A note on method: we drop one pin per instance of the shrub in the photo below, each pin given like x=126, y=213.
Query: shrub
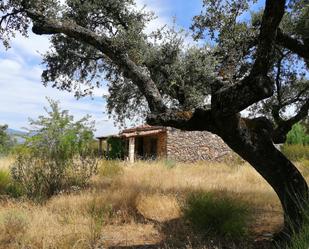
x=8, y=186
x=295, y=152
x=298, y=135
x=220, y=216
x=56, y=156
x=5, y=180
x=6, y=141
x=41, y=178
x=117, y=148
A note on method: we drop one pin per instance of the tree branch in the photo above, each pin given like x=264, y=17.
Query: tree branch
x=197, y=120
x=8, y=15
x=279, y=134
x=46, y=26
x=256, y=86
x=292, y=44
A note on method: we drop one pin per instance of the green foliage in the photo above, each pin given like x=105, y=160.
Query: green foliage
x=295, y=152
x=299, y=239
x=8, y=186
x=6, y=141
x=56, y=155
x=298, y=135
x=109, y=168
x=5, y=180
x=220, y=216
x=116, y=148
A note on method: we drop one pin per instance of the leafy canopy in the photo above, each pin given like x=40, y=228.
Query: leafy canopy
x=93, y=41
x=57, y=136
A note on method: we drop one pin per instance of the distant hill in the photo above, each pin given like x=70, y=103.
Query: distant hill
x=17, y=134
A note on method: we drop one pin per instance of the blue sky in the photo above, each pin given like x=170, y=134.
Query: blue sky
x=22, y=94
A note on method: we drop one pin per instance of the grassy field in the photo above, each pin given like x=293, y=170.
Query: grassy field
x=127, y=206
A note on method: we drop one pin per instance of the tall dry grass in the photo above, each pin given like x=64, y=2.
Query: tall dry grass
x=6, y=162
x=134, y=205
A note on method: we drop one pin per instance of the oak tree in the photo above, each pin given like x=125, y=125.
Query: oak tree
x=257, y=63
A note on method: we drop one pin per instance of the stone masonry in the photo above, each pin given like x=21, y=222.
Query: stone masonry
x=191, y=146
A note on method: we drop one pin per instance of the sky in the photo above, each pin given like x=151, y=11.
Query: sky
x=23, y=95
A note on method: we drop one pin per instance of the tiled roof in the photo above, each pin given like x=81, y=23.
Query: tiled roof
x=143, y=128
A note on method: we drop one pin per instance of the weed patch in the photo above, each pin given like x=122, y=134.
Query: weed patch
x=295, y=152
x=220, y=216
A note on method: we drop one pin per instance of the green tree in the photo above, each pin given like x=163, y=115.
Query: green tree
x=261, y=62
x=298, y=135
x=6, y=141
x=116, y=148
x=55, y=154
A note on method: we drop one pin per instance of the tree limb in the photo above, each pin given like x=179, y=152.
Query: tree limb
x=279, y=134
x=257, y=85
x=292, y=44
x=197, y=120
x=46, y=26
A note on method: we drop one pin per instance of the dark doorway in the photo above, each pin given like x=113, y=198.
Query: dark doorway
x=140, y=147
x=153, y=148
x=146, y=147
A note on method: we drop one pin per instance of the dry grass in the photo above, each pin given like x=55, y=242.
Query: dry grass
x=5, y=162
x=140, y=205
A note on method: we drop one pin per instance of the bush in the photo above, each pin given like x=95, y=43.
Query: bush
x=117, y=148
x=8, y=186
x=220, y=216
x=40, y=179
x=298, y=135
x=5, y=180
x=56, y=155
x=6, y=141
x=295, y=152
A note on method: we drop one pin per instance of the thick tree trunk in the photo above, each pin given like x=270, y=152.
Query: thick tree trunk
x=251, y=139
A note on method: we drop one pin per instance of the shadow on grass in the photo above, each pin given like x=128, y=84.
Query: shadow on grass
x=180, y=235
x=210, y=221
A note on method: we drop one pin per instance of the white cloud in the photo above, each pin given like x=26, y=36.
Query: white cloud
x=162, y=11
x=23, y=95
x=33, y=46
x=157, y=7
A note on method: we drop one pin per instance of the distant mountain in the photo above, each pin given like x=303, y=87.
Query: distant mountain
x=17, y=134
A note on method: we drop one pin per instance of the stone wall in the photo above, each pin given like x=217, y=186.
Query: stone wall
x=191, y=146
x=161, y=149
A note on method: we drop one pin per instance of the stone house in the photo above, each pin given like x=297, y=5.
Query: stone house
x=152, y=142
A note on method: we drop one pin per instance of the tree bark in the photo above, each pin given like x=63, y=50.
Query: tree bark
x=251, y=139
